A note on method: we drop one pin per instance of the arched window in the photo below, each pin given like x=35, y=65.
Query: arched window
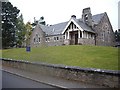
x=34, y=39
x=57, y=38
x=36, y=35
x=86, y=17
x=48, y=39
x=108, y=31
x=39, y=39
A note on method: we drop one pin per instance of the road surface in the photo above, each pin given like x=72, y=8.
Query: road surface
x=15, y=81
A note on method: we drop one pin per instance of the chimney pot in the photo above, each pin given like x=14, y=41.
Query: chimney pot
x=73, y=16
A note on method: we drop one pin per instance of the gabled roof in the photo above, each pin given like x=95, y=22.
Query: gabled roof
x=85, y=27
x=58, y=28
x=54, y=29
x=75, y=21
x=96, y=18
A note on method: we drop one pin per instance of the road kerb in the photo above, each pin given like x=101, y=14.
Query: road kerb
x=57, y=86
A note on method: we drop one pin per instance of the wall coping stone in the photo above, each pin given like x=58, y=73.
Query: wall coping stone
x=61, y=66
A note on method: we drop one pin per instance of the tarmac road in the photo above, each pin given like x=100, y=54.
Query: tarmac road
x=14, y=81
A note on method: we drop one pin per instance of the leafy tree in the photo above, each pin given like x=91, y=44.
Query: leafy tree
x=117, y=35
x=28, y=27
x=40, y=21
x=9, y=19
x=35, y=22
x=20, y=31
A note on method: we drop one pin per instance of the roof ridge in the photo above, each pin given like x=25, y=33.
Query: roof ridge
x=68, y=20
x=58, y=27
x=98, y=14
x=59, y=23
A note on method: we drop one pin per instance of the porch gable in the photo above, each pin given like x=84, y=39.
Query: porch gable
x=71, y=25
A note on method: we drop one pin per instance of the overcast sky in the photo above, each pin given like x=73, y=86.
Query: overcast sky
x=56, y=11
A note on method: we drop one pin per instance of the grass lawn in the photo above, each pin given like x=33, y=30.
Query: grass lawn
x=73, y=55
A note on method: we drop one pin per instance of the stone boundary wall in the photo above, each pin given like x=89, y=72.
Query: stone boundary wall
x=108, y=78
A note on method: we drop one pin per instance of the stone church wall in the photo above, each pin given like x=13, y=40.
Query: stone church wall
x=85, y=41
x=53, y=41
x=41, y=34
x=88, y=41
x=109, y=38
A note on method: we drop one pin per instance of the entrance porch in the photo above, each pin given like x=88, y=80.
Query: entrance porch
x=72, y=37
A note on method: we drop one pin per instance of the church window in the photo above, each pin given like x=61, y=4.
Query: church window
x=86, y=17
x=39, y=40
x=63, y=37
x=103, y=36
x=36, y=35
x=57, y=38
x=48, y=39
x=34, y=40
x=54, y=38
x=108, y=31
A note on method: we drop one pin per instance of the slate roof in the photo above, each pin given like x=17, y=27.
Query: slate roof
x=54, y=29
x=58, y=28
x=97, y=18
x=83, y=26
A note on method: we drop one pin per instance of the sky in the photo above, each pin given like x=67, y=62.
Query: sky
x=57, y=11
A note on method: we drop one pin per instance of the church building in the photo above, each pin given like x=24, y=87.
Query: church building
x=87, y=30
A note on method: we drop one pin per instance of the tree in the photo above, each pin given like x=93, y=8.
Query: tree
x=28, y=27
x=117, y=35
x=20, y=31
x=40, y=21
x=9, y=18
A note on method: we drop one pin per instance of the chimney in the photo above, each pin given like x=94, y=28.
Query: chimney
x=73, y=16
